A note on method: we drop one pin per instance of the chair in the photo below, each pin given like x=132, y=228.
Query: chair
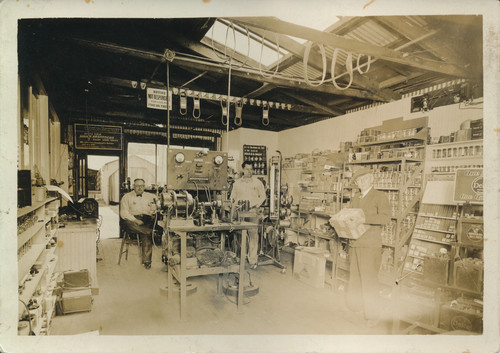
x=126, y=241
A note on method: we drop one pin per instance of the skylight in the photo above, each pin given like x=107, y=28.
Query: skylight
x=225, y=35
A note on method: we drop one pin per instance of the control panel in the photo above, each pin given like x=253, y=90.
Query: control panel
x=191, y=170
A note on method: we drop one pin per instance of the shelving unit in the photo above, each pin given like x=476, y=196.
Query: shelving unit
x=395, y=150
x=36, y=263
x=445, y=250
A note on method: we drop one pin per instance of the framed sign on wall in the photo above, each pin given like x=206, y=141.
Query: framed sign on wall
x=100, y=137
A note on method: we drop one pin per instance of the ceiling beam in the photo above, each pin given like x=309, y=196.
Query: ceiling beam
x=313, y=103
x=128, y=84
x=247, y=73
x=279, y=26
x=266, y=87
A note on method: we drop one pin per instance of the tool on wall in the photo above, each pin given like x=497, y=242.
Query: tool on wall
x=196, y=107
x=225, y=111
x=239, y=108
x=265, y=114
x=183, y=102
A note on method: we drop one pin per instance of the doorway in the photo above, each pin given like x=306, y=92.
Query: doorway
x=103, y=180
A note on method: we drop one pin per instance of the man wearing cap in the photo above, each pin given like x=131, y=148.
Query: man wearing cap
x=365, y=255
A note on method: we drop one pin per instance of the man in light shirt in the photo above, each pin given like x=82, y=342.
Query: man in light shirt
x=137, y=209
x=251, y=189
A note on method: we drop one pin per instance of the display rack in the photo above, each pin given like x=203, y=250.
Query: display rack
x=443, y=271
x=395, y=151
x=318, y=199
x=37, y=228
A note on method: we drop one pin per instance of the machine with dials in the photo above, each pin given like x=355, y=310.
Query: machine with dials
x=194, y=170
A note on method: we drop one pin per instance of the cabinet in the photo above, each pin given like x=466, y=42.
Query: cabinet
x=37, y=229
x=395, y=151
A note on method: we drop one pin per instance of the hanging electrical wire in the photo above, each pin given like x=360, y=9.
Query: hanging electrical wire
x=305, y=61
x=278, y=57
x=348, y=64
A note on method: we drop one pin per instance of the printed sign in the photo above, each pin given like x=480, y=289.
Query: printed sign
x=469, y=186
x=101, y=137
x=157, y=98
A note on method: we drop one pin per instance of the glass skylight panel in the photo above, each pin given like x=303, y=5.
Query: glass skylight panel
x=232, y=39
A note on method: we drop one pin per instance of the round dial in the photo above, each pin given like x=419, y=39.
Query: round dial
x=218, y=159
x=179, y=157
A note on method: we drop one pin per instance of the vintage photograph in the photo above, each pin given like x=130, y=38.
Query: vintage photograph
x=231, y=177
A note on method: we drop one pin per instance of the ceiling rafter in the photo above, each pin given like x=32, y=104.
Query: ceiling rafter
x=279, y=26
x=400, y=25
x=211, y=67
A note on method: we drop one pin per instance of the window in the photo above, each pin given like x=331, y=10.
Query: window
x=149, y=162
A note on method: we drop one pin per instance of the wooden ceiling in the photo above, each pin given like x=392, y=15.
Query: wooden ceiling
x=92, y=69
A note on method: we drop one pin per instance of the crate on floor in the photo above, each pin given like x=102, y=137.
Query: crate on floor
x=309, y=267
x=77, y=301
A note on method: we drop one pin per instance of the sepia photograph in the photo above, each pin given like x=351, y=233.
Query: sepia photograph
x=280, y=176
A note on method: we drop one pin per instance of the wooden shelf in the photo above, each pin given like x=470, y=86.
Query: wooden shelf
x=434, y=230
x=29, y=233
x=415, y=137
x=387, y=160
x=439, y=217
x=37, y=204
x=28, y=259
x=456, y=143
x=433, y=241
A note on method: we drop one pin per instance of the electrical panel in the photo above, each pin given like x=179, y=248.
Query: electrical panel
x=192, y=170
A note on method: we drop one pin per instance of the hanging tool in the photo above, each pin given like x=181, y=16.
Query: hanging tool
x=183, y=102
x=196, y=107
x=265, y=114
x=239, y=108
x=225, y=111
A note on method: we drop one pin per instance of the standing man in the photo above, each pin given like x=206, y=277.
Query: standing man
x=251, y=189
x=365, y=256
x=137, y=209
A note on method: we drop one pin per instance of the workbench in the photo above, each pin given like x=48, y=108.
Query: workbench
x=182, y=273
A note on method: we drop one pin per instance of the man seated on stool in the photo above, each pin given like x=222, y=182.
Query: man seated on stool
x=248, y=188
x=137, y=209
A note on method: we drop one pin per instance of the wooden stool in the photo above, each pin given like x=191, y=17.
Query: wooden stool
x=126, y=241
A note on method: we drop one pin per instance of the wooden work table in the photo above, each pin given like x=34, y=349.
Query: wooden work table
x=181, y=272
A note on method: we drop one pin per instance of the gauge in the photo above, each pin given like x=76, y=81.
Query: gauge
x=179, y=157
x=218, y=159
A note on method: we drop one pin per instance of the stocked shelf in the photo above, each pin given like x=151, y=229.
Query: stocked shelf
x=28, y=259
x=29, y=233
x=434, y=230
x=37, y=204
x=387, y=160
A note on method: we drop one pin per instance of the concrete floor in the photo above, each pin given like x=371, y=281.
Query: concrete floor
x=131, y=302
